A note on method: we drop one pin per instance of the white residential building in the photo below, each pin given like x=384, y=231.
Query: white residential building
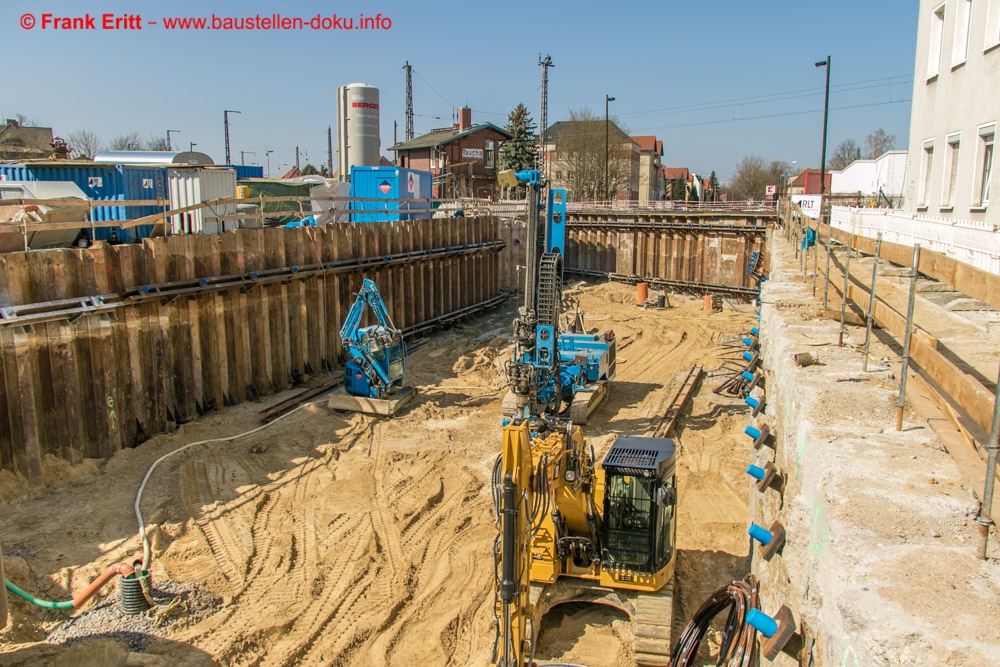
x=956, y=107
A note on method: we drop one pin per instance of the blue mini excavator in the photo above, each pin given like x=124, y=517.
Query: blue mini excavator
x=376, y=364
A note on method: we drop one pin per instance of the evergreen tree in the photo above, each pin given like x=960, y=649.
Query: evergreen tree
x=713, y=186
x=519, y=151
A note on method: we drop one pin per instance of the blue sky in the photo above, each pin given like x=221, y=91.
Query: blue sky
x=714, y=81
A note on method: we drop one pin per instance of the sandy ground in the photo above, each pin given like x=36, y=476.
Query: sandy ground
x=339, y=539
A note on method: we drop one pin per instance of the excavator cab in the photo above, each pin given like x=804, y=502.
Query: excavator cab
x=385, y=349
x=640, y=495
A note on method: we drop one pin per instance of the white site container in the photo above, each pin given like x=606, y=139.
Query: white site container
x=193, y=185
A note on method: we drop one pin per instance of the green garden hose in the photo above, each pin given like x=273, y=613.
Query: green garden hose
x=47, y=604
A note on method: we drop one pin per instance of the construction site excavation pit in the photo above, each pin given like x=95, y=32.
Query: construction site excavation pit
x=331, y=538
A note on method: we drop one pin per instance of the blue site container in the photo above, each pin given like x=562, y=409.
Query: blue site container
x=390, y=183
x=103, y=182
x=247, y=171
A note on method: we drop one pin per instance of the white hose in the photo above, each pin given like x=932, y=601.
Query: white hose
x=146, y=562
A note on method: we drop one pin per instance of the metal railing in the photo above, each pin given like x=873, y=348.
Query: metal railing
x=513, y=206
x=683, y=206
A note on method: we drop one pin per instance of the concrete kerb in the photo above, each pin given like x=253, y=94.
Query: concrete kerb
x=859, y=502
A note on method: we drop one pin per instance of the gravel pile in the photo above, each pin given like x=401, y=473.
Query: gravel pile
x=106, y=619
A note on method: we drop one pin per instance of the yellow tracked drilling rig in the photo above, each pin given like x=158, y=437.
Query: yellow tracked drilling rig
x=570, y=529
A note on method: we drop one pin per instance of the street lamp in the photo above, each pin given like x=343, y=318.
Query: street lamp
x=243, y=155
x=607, y=192
x=168, y=138
x=822, y=172
x=826, y=115
x=267, y=156
x=192, y=145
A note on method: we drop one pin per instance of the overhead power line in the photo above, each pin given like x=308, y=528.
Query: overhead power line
x=773, y=115
x=775, y=97
x=434, y=89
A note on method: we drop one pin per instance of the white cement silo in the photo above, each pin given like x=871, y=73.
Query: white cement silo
x=358, y=127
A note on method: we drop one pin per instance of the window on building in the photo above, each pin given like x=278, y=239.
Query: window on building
x=488, y=156
x=960, y=45
x=951, y=185
x=992, y=24
x=937, y=32
x=984, y=166
x=926, y=170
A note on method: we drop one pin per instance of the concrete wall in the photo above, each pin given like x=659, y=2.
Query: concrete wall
x=878, y=567
x=886, y=173
x=954, y=99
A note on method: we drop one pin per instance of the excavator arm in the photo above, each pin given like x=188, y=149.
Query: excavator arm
x=361, y=343
x=517, y=515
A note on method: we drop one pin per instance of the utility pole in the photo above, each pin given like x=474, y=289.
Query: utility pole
x=409, y=101
x=267, y=155
x=169, y=148
x=225, y=120
x=545, y=64
x=296, y=157
x=607, y=184
x=395, y=133
x=329, y=149
x=243, y=155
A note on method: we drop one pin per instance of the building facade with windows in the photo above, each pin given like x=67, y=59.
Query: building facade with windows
x=462, y=158
x=955, y=112
x=650, y=172
x=579, y=154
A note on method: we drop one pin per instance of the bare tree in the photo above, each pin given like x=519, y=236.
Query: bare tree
x=155, y=143
x=84, y=143
x=753, y=175
x=25, y=121
x=878, y=142
x=580, y=155
x=127, y=142
x=845, y=153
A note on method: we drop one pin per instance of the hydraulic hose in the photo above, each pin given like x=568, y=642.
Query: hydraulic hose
x=123, y=569
x=146, y=553
x=738, y=637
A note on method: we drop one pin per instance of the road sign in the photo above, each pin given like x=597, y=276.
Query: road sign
x=771, y=190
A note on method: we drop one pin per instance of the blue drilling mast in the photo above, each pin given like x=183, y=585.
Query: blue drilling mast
x=551, y=370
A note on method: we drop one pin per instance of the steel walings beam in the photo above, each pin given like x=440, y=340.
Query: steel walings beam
x=71, y=309
x=749, y=293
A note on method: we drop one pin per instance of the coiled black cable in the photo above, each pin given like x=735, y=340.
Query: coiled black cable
x=738, y=637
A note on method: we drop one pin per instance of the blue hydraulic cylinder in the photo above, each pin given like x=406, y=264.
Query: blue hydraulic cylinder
x=756, y=472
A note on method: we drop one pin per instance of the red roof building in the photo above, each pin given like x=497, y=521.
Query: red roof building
x=807, y=182
x=650, y=175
